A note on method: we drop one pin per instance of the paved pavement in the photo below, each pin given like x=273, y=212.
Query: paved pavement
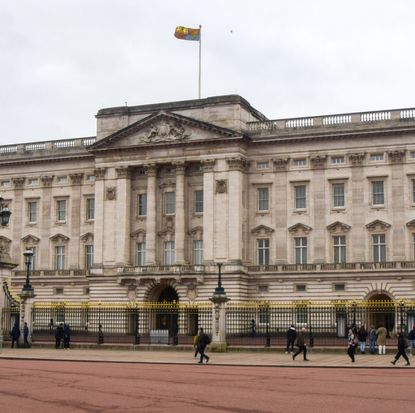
x=241, y=358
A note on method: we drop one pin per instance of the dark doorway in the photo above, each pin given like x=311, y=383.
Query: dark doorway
x=381, y=312
x=168, y=312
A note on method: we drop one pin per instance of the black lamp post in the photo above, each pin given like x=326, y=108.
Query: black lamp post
x=4, y=213
x=28, y=254
x=219, y=290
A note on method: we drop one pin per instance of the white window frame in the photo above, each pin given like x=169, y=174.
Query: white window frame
x=60, y=257
x=337, y=197
x=89, y=256
x=376, y=157
x=376, y=194
x=261, y=165
x=30, y=219
x=337, y=160
x=263, y=199
x=297, y=198
x=169, y=253
x=300, y=252
x=140, y=254
x=300, y=162
x=263, y=251
x=59, y=211
x=169, y=203
x=32, y=260
x=198, y=252
x=88, y=215
x=339, y=249
x=379, y=247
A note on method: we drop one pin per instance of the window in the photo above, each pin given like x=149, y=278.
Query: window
x=338, y=195
x=61, y=210
x=339, y=249
x=263, y=251
x=336, y=160
x=33, y=181
x=90, y=208
x=300, y=288
x=198, y=252
x=379, y=247
x=89, y=256
x=413, y=243
x=59, y=318
x=300, y=196
x=5, y=183
x=169, y=202
x=32, y=265
x=263, y=289
x=59, y=257
x=198, y=201
x=300, y=162
x=263, y=315
x=32, y=212
x=62, y=179
x=140, y=257
x=376, y=157
x=413, y=191
x=301, y=250
x=90, y=178
x=169, y=253
x=142, y=205
x=378, y=196
x=262, y=165
x=339, y=287
x=263, y=199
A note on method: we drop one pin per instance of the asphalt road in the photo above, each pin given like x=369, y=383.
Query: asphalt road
x=53, y=386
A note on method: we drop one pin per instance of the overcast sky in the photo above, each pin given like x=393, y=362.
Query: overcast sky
x=62, y=60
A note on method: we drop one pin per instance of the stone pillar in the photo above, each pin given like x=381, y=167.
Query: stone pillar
x=74, y=256
x=46, y=210
x=18, y=218
x=99, y=217
x=123, y=216
x=26, y=307
x=208, y=210
x=219, y=322
x=179, y=228
x=151, y=215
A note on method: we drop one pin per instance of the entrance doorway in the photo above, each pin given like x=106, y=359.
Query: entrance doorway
x=167, y=315
x=381, y=311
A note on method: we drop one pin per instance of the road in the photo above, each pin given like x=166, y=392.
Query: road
x=64, y=386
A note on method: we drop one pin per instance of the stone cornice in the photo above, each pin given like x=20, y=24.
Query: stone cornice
x=151, y=170
x=262, y=229
x=338, y=227
x=377, y=224
x=299, y=228
x=180, y=168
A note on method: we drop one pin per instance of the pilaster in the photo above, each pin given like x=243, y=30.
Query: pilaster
x=151, y=215
x=46, y=210
x=208, y=166
x=18, y=219
x=74, y=257
x=99, y=217
x=179, y=237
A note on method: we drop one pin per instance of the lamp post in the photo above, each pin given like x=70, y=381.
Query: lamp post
x=4, y=213
x=28, y=254
x=219, y=290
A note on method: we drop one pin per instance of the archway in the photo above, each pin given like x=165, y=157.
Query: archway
x=167, y=314
x=381, y=311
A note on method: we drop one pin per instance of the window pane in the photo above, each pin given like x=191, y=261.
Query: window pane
x=338, y=195
x=90, y=208
x=378, y=193
x=32, y=210
x=263, y=199
x=301, y=250
x=169, y=253
x=379, y=247
x=198, y=252
x=300, y=197
x=263, y=251
x=61, y=210
x=141, y=254
x=89, y=256
x=198, y=201
x=339, y=245
x=60, y=257
x=170, y=202
x=142, y=204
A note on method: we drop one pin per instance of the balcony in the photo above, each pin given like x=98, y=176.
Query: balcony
x=162, y=269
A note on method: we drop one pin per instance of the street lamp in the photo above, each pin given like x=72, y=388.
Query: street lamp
x=28, y=254
x=219, y=290
x=4, y=213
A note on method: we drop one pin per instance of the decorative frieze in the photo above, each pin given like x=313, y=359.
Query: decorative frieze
x=47, y=180
x=238, y=164
x=356, y=159
x=100, y=173
x=318, y=161
x=18, y=182
x=111, y=193
x=281, y=164
x=221, y=186
x=208, y=165
x=30, y=241
x=123, y=172
x=396, y=156
x=76, y=179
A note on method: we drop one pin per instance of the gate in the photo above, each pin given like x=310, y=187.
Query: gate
x=10, y=314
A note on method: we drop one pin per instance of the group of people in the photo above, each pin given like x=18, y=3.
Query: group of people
x=62, y=334
x=298, y=340
x=15, y=335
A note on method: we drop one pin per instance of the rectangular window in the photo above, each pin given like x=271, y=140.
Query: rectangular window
x=301, y=250
x=59, y=258
x=32, y=212
x=413, y=191
x=198, y=202
x=300, y=288
x=338, y=195
x=32, y=181
x=169, y=253
x=61, y=210
x=169, y=202
x=89, y=256
x=62, y=179
x=263, y=251
x=198, y=252
x=142, y=205
x=336, y=160
x=300, y=162
x=339, y=249
x=32, y=265
x=262, y=165
x=339, y=287
x=376, y=156
x=263, y=199
x=378, y=195
x=140, y=258
x=90, y=208
x=300, y=197
x=379, y=248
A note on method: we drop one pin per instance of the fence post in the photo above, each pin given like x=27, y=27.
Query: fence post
x=137, y=334
x=268, y=336
x=219, y=322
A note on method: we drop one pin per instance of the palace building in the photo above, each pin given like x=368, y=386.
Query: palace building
x=318, y=208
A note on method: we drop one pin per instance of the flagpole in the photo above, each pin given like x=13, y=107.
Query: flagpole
x=200, y=60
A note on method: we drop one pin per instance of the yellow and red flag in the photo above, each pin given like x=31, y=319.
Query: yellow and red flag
x=185, y=33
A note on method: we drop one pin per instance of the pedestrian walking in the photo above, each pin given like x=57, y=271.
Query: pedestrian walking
x=372, y=340
x=58, y=335
x=351, y=340
x=253, y=328
x=291, y=336
x=411, y=337
x=100, y=335
x=301, y=344
x=26, y=343
x=381, y=339
x=402, y=346
x=203, y=341
x=362, y=336
x=15, y=335
x=66, y=336
x=196, y=344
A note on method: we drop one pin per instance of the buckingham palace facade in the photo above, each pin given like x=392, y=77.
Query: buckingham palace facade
x=318, y=208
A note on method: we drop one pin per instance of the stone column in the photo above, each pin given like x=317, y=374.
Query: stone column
x=99, y=217
x=26, y=307
x=18, y=218
x=219, y=301
x=74, y=256
x=46, y=210
x=123, y=216
x=208, y=210
x=151, y=215
x=179, y=227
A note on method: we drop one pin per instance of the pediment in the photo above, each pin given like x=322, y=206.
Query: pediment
x=30, y=239
x=262, y=230
x=411, y=224
x=338, y=227
x=139, y=235
x=377, y=224
x=89, y=236
x=163, y=128
x=59, y=238
x=196, y=231
x=299, y=228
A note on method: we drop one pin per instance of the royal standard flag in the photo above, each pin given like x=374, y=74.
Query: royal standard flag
x=184, y=33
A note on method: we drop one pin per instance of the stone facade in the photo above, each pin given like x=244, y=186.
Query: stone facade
x=317, y=208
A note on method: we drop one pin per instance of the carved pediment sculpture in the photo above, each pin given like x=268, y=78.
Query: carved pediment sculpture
x=411, y=224
x=221, y=186
x=196, y=232
x=281, y=164
x=30, y=240
x=396, y=156
x=299, y=228
x=87, y=237
x=338, y=227
x=111, y=193
x=166, y=130
x=59, y=239
x=4, y=246
x=356, y=159
x=139, y=235
x=377, y=224
x=262, y=230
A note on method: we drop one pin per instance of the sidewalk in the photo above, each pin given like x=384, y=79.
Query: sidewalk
x=242, y=358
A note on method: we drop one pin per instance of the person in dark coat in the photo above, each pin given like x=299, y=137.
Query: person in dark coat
x=351, y=340
x=372, y=340
x=26, y=343
x=66, y=336
x=202, y=343
x=291, y=336
x=402, y=345
x=15, y=334
x=362, y=336
x=58, y=336
x=302, y=346
x=411, y=337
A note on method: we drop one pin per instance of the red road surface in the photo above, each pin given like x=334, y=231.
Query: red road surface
x=49, y=386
